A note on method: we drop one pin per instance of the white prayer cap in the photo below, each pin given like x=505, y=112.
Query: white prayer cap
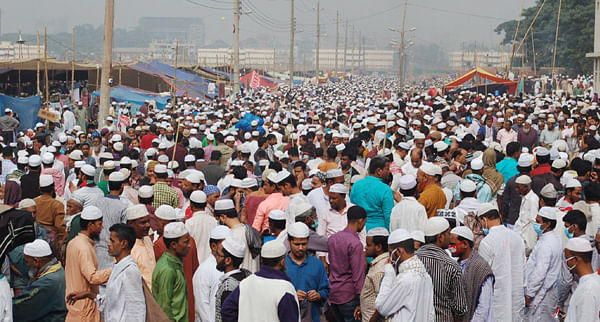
x=51, y=149
x=174, y=230
x=47, y=158
x=189, y=158
x=160, y=168
x=573, y=183
x=407, y=182
x=22, y=160
x=378, y=231
x=136, y=211
x=249, y=183
x=172, y=165
x=274, y=177
x=463, y=231
x=35, y=160
x=37, y=248
x=340, y=147
x=46, y=180
x=118, y=146
x=477, y=164
x=436, y=225
x=166, y=212
x=419, y=135
x=306, y=184
x=559, y=163
x=579, y=244
x=418, y=236
x=484, y=208
x=541, y=152
x=334, y=173
x=467, y=186
x=198, y=196
x=109, y=164
x=220, y=232
x=26, y=203
x=91, y=213
x=76, y=155
x=224, y=204
x=236, y=183
x=298, y=230
x=116, y=177
x=194, y=177
x=277, y=214
x=440, y=146
x=116, y=138
x=525, y=160
x=428, y=168
x=125, y=160
x=88, y=170
x=106, y=155
x=397, y=236
x=145, y=192
x=548, y=213
x=548, y=191
x=234, y=246
x=338, y=188
x=162, y=146
x=355, y=178
x=523, y=179
x=273, y=249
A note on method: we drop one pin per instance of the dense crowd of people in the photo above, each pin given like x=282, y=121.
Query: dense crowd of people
x=340, y=202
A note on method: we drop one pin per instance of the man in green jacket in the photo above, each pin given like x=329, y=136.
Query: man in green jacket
x=44, y=298
x=168, y=282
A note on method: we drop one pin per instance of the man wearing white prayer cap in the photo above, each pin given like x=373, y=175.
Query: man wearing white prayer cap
x=142, y=252
x=206, y=278
x=268, y=294
x=44, y=297
x=543, y=268
x=445, y=273
x=469, y=199
x=504, y=251
x=418, y=237
x=376, y=248
x=193, y=181
x=200, y=224
x=573, y=190
x=306, y=272
x=527, y=212
x=168, y=279
x=584, y=304
x=230, y=254
x=81, y=270
x=51, y=212
x=88, y=191
x=163, y=194
x=227, y=215
x=477, y=273
x=408, y=214
x=431, y=195
x=405, y=275
x=277, y=222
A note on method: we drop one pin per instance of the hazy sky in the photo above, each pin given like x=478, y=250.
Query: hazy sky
x=447, y=23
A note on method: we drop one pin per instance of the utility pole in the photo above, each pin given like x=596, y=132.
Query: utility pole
x=274, y=66
x=318, y=41
x=236, y=47
x=39, y=57
x=402, y=47
x=346, y=46
x=46, y=64
x=337, y=41
x=173, y=103
x=109, y=20
x=292, y=31
x=359, y=49
x=72, y=63
x=352, y=54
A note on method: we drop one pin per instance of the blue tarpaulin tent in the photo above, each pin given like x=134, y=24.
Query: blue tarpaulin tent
x=192, y=84
x=26, y=107
x=136, y=97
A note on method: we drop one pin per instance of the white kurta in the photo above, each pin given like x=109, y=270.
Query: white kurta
x=407, y=296
x=594, y=223
x=542, y=277
x=199, y=227
x=124, y=297
x=69, y=120
x=408, y=214
x=524, y=224
x=585, y=302
x=504, y=251
x=5, y=300
x=205, y=283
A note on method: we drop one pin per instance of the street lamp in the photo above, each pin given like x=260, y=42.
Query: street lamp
x=20, y=42
x=401, y=48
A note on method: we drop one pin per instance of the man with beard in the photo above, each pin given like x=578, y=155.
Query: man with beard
x=81, y=116
x=193, y=181
x=200, y=224
x=51, y=214
x=229, y=254
x=81, y=271
x=168, y=280
x=142, y=251
x=527, y=136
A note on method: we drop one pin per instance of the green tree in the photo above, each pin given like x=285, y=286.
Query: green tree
x=575, y=36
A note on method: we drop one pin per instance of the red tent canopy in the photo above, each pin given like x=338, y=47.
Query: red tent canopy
x=512, y=85
x=254, y=80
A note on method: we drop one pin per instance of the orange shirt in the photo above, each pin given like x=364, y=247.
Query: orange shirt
x=143, y=255
x=433, y=198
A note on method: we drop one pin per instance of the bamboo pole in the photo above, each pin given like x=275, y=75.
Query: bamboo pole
x=46, y=64
x=72, y=63
x=175, y=75
x=39, y=56
x=556, y=38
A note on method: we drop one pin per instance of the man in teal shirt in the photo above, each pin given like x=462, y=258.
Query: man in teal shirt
x=168, y=282
x=508, y=166
x=374, y=196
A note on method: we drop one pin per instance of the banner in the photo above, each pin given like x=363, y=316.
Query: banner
x=26, y=108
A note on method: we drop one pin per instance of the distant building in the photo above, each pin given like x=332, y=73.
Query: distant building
x=12, y=50
x=369, y=60
x=260, y=58
x=466, y=60
x=186, y=30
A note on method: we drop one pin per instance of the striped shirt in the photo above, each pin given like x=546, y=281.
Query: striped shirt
x=449, y=298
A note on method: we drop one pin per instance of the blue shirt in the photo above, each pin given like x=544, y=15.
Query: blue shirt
x=307, y=276
x=508, y=168
x=376, y=198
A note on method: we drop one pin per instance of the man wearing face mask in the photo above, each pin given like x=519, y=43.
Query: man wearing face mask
x=585, y=302
x=44, y=298
x=229, y=255
x=477, y=275
x=445, y=272
x=542, y=272
x=575, y=224
x=406, y=291
x=504, y=251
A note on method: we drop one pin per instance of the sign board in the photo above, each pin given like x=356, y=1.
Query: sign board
x=48, y=115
